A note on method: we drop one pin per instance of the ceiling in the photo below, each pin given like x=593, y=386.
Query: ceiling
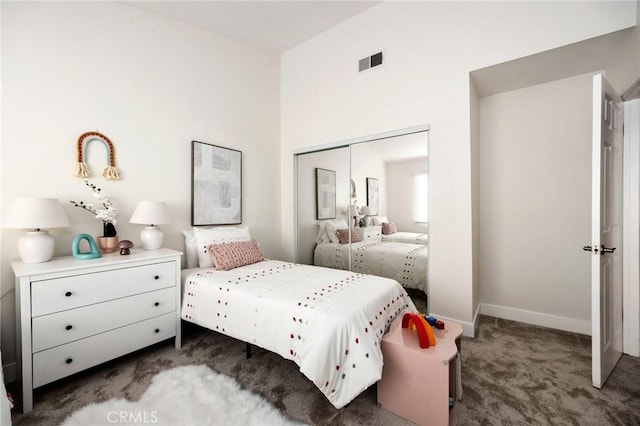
x=279, y=25
x=272, y=25
x=584, y=57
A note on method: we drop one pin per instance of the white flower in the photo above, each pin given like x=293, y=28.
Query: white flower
x=108, y=214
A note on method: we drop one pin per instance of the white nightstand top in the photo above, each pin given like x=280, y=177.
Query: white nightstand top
x=66, y=263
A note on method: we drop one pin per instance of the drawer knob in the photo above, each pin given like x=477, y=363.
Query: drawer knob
x=69, y=327
x=69, y=360
x=157, y=330
x=156, y=304
x=68, y=294
x=157, y=277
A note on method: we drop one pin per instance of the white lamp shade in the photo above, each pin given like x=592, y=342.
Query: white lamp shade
x=151, y=213
x=365, y=210
x=35, y=213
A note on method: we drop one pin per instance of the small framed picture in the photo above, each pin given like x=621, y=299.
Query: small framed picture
x=373, y=196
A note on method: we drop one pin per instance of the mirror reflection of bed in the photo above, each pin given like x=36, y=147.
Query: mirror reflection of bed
x=380, y=229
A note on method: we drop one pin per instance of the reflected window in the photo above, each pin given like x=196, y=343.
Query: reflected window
x=420, y=198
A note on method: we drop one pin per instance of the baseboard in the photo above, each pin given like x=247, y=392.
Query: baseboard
x=10, y=372
x=537, y=318
x=468, y=328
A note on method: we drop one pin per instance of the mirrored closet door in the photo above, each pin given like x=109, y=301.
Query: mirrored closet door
x=364, y=207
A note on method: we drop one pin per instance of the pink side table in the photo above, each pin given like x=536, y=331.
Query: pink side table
x=417, y=383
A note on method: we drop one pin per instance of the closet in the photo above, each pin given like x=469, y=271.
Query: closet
x=355, y=184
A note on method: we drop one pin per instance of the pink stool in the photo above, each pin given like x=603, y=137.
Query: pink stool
x=416, y=383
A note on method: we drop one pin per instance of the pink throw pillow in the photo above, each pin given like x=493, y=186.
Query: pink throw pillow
x=389, y=228
x=228, y=256
x=343, y=236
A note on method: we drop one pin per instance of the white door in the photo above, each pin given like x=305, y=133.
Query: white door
x=606, y=239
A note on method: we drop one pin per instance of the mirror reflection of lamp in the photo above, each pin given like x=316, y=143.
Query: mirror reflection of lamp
x=354, y=211
x=366, y=212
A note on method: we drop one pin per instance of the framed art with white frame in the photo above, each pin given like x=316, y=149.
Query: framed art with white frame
x=325, y=194
x=216, y=185
x=373, y=196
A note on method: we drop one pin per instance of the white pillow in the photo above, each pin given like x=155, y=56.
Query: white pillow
x=322, y=236
x=332, y=226
x=207, y=236
x=379, y=220
x=191, y=247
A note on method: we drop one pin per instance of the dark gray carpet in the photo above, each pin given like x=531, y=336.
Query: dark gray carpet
x=513, y=374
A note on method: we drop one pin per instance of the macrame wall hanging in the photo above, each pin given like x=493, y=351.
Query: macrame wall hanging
x=82, y=170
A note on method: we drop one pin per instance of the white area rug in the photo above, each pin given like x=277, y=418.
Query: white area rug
x=185, y=396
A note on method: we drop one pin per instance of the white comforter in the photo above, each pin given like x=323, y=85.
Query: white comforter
x=329, y=322
x=406, y=237
x=405, y=263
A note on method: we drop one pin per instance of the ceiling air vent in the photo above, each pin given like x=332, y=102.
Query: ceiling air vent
x=370, y=62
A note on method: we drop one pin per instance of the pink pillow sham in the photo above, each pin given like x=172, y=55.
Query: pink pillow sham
x=343, y=236
x=232, y=255
x=389, y=228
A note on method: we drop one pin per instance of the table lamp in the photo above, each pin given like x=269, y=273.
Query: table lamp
x=151, y=213
x=354, y=211
x=34, y=214
x=365, y=211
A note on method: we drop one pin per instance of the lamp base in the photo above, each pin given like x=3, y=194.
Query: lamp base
x=36, y=247
x=151, y=238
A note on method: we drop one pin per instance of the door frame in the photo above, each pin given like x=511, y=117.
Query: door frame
x=631, y=227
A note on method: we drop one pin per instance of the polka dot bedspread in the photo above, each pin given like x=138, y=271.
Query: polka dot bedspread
x=329, y=322
x=405, y=263
x=406, y=237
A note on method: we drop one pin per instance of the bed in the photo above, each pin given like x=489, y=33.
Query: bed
x=402, y=262
x=406, y=237
x=391, y=234
x=329, y=322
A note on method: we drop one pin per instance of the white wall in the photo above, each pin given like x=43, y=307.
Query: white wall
x=535, y=204
x=430, y=48
x=400, y=190
x=150, y=84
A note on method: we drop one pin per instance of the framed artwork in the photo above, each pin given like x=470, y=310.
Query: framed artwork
x=216, y=185
x=325, y=194
x=373, y=197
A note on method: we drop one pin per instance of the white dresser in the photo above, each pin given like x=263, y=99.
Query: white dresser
x=74, y=314
x=369, y=233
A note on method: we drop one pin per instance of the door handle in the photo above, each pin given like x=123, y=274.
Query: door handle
x=604, y=250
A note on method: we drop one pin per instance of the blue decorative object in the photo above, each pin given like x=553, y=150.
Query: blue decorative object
x=93, y=252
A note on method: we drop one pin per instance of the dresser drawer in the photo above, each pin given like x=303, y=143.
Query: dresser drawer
x=70, y=292
x=370, y=233
x=66, y=326
x=64, y=360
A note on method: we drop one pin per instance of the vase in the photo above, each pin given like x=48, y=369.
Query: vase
x=108, y=244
